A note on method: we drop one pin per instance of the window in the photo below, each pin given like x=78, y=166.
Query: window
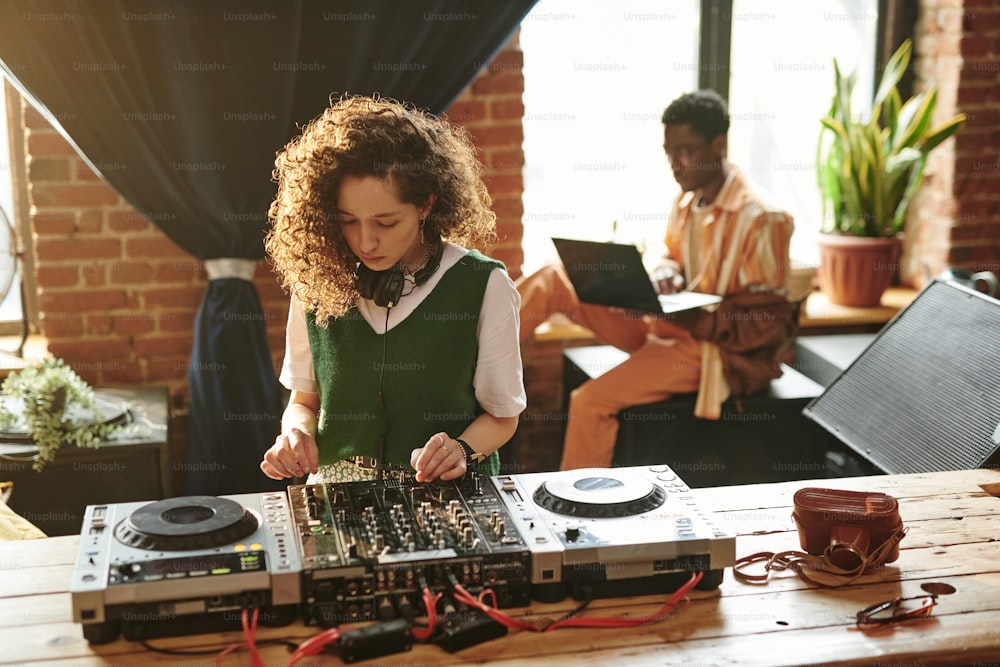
x=598, y=75
x=11, y=307
x=781, y=84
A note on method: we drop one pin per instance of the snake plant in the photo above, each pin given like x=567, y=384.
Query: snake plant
x=868, y=170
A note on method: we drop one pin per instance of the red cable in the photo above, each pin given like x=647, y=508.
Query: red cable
x=465, y=596
x=430, y=604
x=314, y=645
x=462, y=595
x=617, y=622
x=249, y=632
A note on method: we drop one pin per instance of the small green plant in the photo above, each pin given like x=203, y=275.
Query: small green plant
x=57, y=407
x=868, y=171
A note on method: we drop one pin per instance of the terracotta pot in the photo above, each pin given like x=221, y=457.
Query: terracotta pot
x=856, y=270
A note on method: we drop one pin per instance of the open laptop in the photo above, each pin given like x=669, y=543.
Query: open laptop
x=612, y=274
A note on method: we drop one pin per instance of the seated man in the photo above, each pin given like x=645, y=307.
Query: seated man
x=722, y=234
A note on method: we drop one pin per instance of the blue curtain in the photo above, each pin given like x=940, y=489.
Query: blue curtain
x=181, y=106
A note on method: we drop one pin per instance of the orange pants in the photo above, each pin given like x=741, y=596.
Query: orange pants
x=664, y=360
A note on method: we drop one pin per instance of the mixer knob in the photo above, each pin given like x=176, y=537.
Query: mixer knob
x=572, y=533
x=127, y=570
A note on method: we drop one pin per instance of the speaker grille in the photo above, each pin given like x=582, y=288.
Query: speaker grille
x=925, y=395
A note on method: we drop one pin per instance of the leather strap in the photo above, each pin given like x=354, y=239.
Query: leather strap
x=800, y=562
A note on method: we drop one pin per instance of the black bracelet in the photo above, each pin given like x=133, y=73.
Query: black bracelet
x=471, y=455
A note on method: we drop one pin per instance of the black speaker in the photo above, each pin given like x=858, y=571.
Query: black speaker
x=925, y=394
x=385, y=288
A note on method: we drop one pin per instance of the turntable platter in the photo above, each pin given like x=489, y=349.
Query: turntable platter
x=599, y=492
x=186, y=523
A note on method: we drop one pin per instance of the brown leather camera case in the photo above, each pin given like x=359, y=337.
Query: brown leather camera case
x=849, y=527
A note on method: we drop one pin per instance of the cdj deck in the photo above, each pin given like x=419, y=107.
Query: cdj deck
x=356, y=551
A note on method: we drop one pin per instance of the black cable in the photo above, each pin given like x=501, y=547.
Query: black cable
x=381, y=397
x=570, y=614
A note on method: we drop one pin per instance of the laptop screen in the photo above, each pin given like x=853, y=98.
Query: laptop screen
x=612, y=274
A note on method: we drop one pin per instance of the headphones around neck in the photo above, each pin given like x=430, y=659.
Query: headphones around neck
x=385, y=288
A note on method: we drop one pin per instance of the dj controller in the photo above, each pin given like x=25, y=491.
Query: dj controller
x=356, y=551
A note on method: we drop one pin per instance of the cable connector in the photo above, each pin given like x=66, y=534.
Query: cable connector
x=374, y=641
x=468, y=628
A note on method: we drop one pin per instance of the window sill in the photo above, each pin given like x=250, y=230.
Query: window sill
x=818, y=316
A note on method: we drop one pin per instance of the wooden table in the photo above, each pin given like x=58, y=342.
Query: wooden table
x=953, y=520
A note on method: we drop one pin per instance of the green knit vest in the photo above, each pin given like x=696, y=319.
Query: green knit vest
x=426, y=377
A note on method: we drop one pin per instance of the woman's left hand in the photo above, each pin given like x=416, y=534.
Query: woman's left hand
x=440, y=458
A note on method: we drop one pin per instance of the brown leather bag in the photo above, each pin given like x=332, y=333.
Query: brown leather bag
x=850, y=528
x=842, y=533
x=751, y=328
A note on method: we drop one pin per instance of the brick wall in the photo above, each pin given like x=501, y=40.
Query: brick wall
x=975, y=237
x=957, y=213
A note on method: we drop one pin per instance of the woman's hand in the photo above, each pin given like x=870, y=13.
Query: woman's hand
x=293, y=454
x=440, y=458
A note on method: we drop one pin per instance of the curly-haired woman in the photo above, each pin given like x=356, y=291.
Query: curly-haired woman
x=401, y=345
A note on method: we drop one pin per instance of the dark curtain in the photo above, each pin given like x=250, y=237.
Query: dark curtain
x=181, y=106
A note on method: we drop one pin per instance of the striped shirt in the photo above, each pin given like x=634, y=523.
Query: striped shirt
x=744, y=239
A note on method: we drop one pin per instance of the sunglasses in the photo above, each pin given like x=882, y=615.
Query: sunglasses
x=894, y=611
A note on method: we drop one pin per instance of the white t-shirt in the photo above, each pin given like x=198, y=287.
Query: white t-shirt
x=498, y=379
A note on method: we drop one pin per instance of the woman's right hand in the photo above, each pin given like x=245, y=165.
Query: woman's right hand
x=293, y=454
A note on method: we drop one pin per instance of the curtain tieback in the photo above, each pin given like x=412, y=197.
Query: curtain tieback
x=230, y=267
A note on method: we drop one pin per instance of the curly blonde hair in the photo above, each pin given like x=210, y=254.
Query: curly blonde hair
x=420, y=154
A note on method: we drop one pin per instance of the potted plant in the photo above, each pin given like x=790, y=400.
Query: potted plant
x=868, y=171
x=53, y=404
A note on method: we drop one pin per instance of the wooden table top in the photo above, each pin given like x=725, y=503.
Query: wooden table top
x=953, y=520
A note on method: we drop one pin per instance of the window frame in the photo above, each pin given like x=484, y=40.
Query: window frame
x=13, y=108
x=896, y=22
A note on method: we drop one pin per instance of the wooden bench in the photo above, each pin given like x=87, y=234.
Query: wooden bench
x=759, y=438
